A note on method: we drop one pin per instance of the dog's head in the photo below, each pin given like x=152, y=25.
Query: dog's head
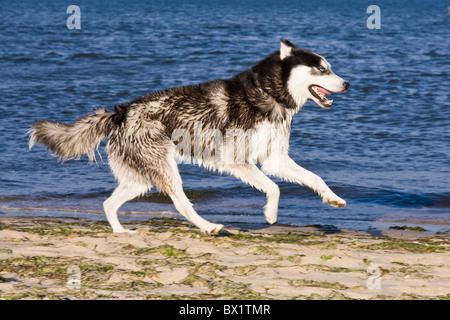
x=309, y=75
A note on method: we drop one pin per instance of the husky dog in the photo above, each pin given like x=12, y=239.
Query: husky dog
x=259, y=102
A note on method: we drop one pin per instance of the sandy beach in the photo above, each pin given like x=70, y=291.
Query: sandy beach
x=169, y=259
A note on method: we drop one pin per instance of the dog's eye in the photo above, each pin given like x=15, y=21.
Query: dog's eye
x=322, y=69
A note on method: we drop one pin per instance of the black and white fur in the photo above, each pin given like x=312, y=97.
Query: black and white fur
x=142, y=152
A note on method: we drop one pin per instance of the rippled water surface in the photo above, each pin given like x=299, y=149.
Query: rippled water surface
x=383, y=146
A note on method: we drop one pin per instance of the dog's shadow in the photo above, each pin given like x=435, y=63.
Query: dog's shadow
x=265, y=229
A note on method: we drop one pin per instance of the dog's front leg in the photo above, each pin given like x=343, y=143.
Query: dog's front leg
x=285, y=168
x=249, y=173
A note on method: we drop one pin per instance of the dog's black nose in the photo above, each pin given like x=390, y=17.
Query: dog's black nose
x=346, y=85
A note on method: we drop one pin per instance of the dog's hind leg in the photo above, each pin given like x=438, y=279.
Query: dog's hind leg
x=149, y=161
x=172, y=185
x=249, y=173
x=123, y=193
x=185, y=208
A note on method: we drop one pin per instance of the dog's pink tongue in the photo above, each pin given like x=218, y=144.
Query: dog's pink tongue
x=325, y=92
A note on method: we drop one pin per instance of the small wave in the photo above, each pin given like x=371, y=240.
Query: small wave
x=193, y=195
x=88, y=55
x=153, y=197
x=441, y=200
x=411, y=200
x=84, y=211
x=19, y=59
x=358, y=194
x=394, y=198
x=49, y=209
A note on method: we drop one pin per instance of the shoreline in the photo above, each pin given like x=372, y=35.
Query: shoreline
x=169, y=259
x=378, y=226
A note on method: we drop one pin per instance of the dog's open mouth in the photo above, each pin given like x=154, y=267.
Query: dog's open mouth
x=321, y=93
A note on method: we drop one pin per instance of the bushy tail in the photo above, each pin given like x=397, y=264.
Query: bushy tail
x=71, y=141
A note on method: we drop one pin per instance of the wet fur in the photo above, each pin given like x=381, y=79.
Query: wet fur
x=142, y=153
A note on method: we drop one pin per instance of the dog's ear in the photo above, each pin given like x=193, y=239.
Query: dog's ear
x=286, y=48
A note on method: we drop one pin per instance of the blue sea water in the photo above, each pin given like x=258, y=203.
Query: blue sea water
x=384, y=146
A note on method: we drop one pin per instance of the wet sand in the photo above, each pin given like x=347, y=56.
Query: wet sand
x=170, y=259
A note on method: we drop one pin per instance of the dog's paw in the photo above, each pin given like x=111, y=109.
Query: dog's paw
x=337, y=203
x=271, y=219
x=271, y=212
x=212, y=228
